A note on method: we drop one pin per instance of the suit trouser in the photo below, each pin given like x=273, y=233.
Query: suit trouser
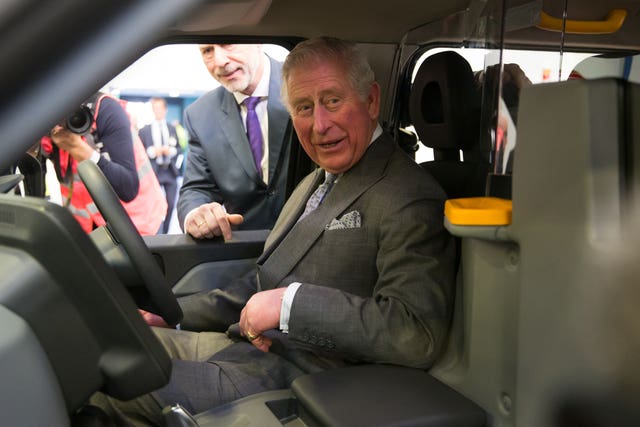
x=190, y=351
x=169, y=184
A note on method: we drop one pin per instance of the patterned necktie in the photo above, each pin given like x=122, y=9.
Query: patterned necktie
x=318, y=195
x=254, y=132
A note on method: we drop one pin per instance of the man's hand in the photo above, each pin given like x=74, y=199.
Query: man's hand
x=512, y=73
x=153, y=319
x=261, y=313
x=160, y=150
x=210, y=220
x=71, y=143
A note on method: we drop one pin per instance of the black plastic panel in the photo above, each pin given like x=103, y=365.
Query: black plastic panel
x=179, y=253
x=83, y=317
x=382, y=395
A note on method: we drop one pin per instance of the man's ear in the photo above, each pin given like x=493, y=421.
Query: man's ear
x=373, y=101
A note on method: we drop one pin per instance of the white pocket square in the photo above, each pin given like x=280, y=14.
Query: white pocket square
x=349, y=220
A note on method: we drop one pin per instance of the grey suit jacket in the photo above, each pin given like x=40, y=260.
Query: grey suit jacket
x=219, y=165
x=380, y=293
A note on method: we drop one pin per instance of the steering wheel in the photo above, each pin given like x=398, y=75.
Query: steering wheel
x=8, y=182
x=125, y=234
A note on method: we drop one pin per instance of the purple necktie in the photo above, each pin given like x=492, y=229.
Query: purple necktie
x=254, y=132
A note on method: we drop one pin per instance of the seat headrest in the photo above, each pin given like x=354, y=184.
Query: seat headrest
x=444, y=103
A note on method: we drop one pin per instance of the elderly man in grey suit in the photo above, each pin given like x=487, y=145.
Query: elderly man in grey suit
x=358, y=268
x=239, y=137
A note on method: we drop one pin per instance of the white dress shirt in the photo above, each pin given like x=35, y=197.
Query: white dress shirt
x=262, y=91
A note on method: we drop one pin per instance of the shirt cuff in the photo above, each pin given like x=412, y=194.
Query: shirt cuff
x=184, y=225
x=285, y=308
x=151, y=152
x=95, y=157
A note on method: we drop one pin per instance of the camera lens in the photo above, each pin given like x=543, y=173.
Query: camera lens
x=80, y=121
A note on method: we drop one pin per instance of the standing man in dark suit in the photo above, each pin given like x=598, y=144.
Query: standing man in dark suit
x=161, y=141
x=239, y=139
x=365, y=277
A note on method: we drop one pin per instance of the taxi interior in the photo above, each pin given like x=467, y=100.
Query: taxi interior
x=544, y=329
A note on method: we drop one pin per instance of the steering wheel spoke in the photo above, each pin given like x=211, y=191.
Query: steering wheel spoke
x=125, y=233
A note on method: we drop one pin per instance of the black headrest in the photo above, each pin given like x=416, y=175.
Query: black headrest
x=444, y=103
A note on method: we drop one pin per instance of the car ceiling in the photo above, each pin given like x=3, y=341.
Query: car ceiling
x=386, y=21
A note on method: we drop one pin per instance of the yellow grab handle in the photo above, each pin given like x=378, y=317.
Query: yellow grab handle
x=611, y=24
x=478, y=211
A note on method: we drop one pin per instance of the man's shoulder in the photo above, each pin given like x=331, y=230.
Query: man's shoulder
x=145, y=129
x=107, y=105
x=145, y=134
x=275, y=65
x=212, y=98
x=403, y=172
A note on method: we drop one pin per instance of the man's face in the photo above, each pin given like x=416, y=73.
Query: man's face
x=159, y=109
x=238, y=67
x=333, y=123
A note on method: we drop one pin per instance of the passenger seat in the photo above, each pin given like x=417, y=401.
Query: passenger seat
x=444, y=106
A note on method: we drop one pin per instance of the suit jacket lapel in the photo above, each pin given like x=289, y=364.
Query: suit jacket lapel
x=290, y=241
x=236, y=137
x=291, y=211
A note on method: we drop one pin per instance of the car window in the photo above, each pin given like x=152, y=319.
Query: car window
x=537, y=66
x=174, y=72
x=625, y=67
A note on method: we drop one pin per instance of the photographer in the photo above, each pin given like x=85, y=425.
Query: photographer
x=112, y=145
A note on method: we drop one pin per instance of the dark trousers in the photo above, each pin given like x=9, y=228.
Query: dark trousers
x=168, y=182
x=199, y=381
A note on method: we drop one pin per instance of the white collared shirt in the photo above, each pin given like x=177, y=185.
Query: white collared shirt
x=262, y=90
x=159, y=132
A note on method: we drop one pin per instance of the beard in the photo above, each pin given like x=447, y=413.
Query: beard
x=239, y=83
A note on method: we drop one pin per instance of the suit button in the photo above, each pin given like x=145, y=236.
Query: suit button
x=270, y=193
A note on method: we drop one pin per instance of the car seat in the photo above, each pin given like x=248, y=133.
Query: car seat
x=444, y=106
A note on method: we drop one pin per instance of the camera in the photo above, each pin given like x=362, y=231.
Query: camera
x=79, y=121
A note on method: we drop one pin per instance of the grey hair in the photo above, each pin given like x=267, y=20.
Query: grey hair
x=329, y=49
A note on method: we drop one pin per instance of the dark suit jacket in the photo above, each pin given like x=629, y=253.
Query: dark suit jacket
x=171, y=170
x=379, y=293
x=220, y=165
